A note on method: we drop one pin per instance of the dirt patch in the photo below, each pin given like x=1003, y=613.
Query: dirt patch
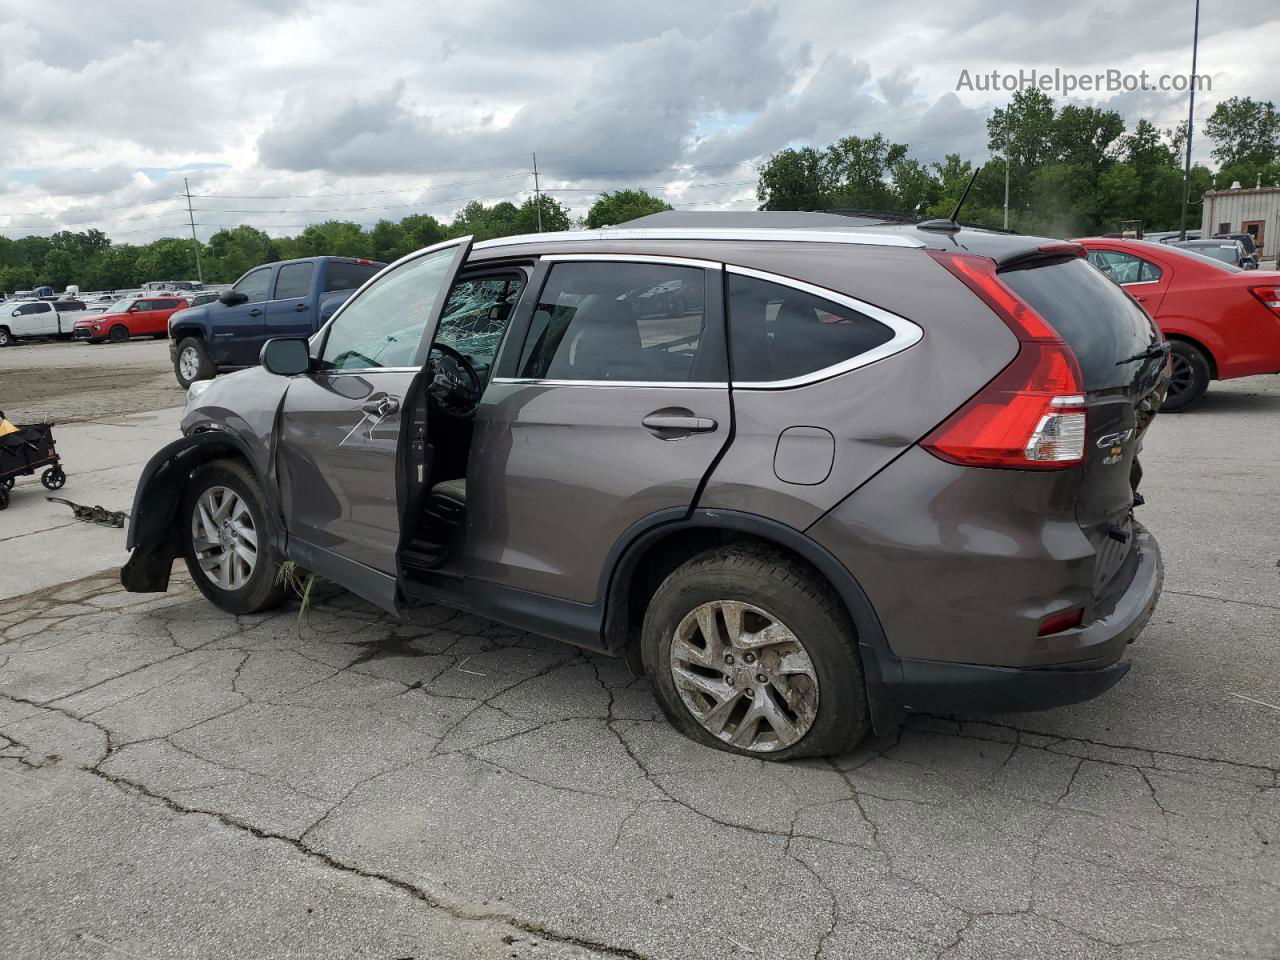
x=66, y=382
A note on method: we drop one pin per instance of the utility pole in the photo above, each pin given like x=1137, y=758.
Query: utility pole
x=538, y=195
x=1006, y=187
x=196, y=243
x=1191, y=126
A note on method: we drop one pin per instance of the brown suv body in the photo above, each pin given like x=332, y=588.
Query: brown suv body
x=589, y=508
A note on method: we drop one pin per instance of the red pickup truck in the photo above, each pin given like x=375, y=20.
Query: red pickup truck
x=136, y=317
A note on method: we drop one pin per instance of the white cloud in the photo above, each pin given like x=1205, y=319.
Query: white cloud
x=101, y=105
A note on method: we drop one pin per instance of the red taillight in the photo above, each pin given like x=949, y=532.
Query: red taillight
x=1066, y=249
x=1270, y=297
x=1057, y=622
x=1032, y=415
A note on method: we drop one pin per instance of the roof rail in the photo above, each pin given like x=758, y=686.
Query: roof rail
x=776, y=234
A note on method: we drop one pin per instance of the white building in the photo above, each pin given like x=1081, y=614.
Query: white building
x=1253, y=210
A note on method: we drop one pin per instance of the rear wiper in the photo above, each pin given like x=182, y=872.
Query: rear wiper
x=1153, y=351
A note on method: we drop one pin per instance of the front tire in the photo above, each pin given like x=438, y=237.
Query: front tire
x=6, y=338
x=226, y=539
x=750, y=652
x=1189, y=379
x=193, y=362
x=118, y=334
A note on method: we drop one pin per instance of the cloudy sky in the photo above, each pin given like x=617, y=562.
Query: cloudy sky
x=286, y=112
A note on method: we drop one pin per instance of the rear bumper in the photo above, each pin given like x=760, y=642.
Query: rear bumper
x=943, y=687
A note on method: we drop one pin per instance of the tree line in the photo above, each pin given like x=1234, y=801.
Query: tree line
x=1072, y=171
x=90, y=260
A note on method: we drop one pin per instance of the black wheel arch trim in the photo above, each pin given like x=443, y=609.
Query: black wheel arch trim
x=883, y=672
x=153, y=532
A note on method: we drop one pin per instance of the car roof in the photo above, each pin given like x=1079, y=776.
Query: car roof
x=793, y=227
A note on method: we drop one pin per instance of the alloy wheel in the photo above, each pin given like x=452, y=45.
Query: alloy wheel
x=224, y=538
x=744, y=675
x=1181, y=376
x=189, y=364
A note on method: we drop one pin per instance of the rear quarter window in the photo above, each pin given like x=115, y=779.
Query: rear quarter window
x=348, y=276
x=1099, y=321
x=779, y=332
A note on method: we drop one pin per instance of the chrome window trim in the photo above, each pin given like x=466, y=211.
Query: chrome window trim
x=776, y=234
x=632, y=258
x=668, y=384
x=905, y=333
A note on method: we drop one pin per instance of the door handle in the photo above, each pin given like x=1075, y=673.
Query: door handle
x=383, y=406
x=300, y=307
x=669, y=422
x=1140, y=298
x=255, y=312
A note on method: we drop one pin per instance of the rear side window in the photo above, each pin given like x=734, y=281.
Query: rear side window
x=63, y=306
x=1097, y=319
x=348, y=276
x=164, y=304
x=1125, y=267
x=633, y=322
x=778, y=332
x=294, y=280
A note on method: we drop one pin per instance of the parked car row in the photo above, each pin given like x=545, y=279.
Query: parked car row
x=1221, y=322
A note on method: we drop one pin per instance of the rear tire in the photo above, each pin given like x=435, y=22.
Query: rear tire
x=226, y=539
x=193, y=362
x=118, y=334
x=1190, y=377
x=796, y=692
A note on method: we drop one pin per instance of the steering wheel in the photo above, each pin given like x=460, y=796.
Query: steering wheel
x=455, y=386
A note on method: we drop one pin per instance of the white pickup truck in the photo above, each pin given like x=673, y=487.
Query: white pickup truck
x=37, y=318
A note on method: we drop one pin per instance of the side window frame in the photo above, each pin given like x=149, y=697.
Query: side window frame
x=311, y=280
x=319, y=340
x=905, y=333
x=270, y=271
x=507, y=361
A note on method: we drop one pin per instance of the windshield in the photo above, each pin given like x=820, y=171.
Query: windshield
x=120, y=306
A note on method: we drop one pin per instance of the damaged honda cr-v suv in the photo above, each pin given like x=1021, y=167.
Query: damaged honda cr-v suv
x=812, y=477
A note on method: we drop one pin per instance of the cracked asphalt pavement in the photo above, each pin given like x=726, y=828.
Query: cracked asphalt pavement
x=177, y=782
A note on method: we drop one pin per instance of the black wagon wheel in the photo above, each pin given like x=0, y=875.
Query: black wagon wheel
x=54, y=478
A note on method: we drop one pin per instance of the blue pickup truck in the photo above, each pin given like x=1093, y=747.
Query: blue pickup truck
x=292, y=298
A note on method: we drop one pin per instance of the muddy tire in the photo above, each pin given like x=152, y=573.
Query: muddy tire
x=749, y=651
x=192, y=362
x=1189, y=379
x=226, y=539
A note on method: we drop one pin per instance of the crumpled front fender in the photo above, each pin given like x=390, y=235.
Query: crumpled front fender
x=153, y=534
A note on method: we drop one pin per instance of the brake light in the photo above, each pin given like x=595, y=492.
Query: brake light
x=1032, y=416
x=1270, y=297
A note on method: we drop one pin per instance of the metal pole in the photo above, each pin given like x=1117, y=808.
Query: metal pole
x=196, y=243
x=1191, y=126
x=538, y=195
x=1006, y=187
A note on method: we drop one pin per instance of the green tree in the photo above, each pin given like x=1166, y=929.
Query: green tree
x=485, y=223
x=857, y=169
x=20, y=277
x=915, y=188
x=422, y=230
x=235, y=251
x=334, y=238
x=166, y=259
x=389, y=241
x=555, y=216
x=794, y=180
x=60, y=269
x=114, y=269
x=621, y=206
x=1244, y=130
x=1085, y=136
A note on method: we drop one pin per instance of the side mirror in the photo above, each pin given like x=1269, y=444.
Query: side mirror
x=286, y=356
x=134, y=309
x=232, y=298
